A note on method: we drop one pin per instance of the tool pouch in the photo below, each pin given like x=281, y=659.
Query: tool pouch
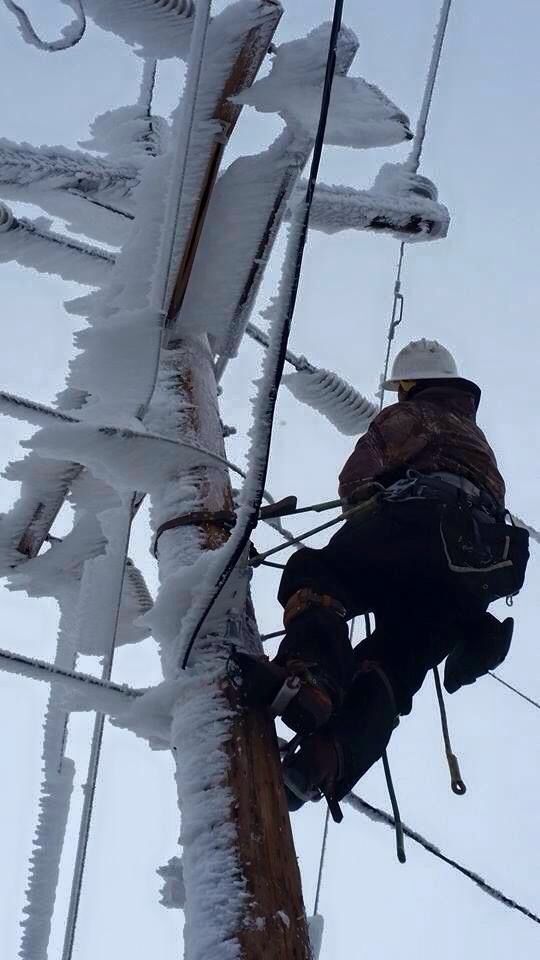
x=489, y=558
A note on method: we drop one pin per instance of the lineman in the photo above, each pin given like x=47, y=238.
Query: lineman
x=426, y=549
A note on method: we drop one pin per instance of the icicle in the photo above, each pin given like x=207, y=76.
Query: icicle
x=316, y=930
x=54, y=804
x=173, y=892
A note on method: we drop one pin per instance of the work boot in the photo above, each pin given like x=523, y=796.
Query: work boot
x=333, y=760
x=307, y=680
x=483, y=647
x=295, y=691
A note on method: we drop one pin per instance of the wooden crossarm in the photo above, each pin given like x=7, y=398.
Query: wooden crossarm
x=44, y=506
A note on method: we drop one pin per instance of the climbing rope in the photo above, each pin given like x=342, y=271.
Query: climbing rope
x=321, y=861
x=324, y=842
x=456, y=781
x=400, y=844
x=298, y=236
x=411, y=164
x=380, y=816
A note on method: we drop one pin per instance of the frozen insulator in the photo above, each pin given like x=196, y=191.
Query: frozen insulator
x=337, y=400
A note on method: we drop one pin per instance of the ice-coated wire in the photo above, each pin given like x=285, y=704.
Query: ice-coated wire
x=380, y=816
x=518, y=693
x=195, y=64
x=72, y=33
x=412, y=164
x=533, y=533
x=118, y=571
x=413, y=159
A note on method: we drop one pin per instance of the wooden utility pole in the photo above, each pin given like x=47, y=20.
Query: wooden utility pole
x=270, y=919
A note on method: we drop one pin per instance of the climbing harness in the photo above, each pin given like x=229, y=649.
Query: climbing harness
x=456, y=780
x=362, y=508
x=297, y=240
x=411, y=164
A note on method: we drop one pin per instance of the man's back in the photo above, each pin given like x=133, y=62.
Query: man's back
x=433, y=431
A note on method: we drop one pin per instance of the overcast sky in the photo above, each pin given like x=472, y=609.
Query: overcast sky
x=476, y=291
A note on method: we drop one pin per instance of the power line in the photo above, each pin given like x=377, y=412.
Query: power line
x=412, y=163
x=380, y=816
x=413, y=160
x=515, y=690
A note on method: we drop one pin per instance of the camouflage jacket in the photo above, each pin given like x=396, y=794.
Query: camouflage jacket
x=435, y=430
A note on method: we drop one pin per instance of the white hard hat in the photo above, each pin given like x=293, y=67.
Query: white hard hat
x=422, y=360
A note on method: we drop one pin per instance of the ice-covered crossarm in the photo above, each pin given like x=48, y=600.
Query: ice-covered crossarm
x=249, y=203
x=118, y=364
x=399, y=203
x=58, y=167
x=360, y=114
x=245, y=213
x=91, y=194
x=126, y=318
x=156, y=29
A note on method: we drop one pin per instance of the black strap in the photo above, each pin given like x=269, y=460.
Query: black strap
x=220, y=518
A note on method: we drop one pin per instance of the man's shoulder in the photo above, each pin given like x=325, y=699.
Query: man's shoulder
x=398, y=412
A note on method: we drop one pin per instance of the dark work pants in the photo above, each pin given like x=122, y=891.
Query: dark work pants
x=392, y=563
